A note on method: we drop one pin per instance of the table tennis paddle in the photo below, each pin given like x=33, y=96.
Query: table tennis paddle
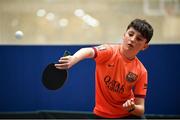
x=53, y=78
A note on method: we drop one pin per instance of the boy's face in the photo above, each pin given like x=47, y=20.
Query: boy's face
x=133, y=40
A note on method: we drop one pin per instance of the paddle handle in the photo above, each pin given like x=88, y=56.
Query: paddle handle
x=66, y=53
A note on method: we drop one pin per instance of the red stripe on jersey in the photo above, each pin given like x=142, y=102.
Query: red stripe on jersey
x=140, y=96
x=95, y=51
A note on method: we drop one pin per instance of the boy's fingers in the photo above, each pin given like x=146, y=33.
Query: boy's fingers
x=64, y=58
x=61, y=67
x=129, y=103
x=62, y=61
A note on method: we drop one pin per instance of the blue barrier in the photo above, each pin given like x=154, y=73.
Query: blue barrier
x=21, y=88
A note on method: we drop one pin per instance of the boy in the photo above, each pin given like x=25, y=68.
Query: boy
x=121, y=79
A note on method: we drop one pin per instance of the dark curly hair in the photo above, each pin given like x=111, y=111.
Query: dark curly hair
x=143, y=27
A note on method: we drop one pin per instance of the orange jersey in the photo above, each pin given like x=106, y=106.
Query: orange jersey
x=117, y=80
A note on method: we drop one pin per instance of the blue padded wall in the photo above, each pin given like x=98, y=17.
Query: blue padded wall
x=21, y=88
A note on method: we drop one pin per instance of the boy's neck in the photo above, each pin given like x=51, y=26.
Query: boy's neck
x=127, y=54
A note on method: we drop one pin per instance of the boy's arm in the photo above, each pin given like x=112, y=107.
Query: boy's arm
x=139, y=107
x=135, y=107
x=68, y=61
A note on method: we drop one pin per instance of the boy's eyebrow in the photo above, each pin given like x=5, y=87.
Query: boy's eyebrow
x=138, y=34
x=131, y=31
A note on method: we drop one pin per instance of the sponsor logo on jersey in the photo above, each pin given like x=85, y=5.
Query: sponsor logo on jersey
x=113, y=85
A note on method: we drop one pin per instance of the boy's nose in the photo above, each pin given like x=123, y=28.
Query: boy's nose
x=133, y=39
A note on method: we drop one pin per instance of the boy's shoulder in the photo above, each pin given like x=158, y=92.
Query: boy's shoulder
x=108, y=46
x=112, y=45
x=141, y=65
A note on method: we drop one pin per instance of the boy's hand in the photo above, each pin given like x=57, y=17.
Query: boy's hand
x=65, y=62
x=129, y=105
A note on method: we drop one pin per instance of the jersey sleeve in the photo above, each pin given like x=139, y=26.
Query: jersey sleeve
x=102, y=53
x=141, y=86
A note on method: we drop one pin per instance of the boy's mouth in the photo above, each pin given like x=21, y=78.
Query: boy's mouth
x=130, y=45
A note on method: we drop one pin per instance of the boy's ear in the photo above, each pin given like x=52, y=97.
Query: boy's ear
x=145, y=46
x=123, y=35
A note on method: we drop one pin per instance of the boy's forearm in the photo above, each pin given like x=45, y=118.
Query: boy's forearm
x=67, y=62
x=83, y=53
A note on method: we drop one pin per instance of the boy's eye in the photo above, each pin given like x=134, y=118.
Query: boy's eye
x=130, y=34
x=139, y=39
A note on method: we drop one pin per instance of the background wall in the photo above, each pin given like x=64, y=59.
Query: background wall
x=51, y=26
x=21, y=88
x=85, y=21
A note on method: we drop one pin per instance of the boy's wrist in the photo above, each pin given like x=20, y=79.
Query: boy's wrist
x=132, y=109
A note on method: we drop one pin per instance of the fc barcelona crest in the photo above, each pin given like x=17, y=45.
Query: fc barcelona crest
x=131, y=77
